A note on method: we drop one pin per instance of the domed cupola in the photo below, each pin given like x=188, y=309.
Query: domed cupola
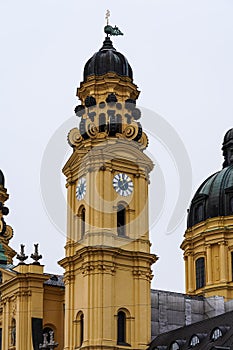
x=215, y=196
x=106, y=60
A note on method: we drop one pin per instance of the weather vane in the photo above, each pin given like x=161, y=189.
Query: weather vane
x=109, y=30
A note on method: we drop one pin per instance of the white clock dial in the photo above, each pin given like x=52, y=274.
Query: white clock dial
x=123, y=184
x=81, y=188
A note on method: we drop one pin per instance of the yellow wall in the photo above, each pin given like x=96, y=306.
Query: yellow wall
x=213, y=240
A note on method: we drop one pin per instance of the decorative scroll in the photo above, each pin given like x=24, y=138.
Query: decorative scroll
x=131, y=131
x=91, y=129
x=74, y=137
x=143, y=141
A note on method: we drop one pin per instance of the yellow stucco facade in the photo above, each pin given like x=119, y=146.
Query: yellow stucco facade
x=212, y=240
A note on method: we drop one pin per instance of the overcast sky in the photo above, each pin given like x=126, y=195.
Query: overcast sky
x=181, y=53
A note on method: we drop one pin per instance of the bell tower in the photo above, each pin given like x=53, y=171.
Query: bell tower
x=108, y=260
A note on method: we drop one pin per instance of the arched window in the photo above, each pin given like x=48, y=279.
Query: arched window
x=82, y=218
x=119, y=123
x=13, y=332
x=121, y=219
x=200, y=273
x=194, y=341
x=79, y=329
x=121, y=328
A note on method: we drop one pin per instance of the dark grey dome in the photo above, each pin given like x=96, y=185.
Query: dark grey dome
x=106, y=60
x=2, y=179
x=213, y=198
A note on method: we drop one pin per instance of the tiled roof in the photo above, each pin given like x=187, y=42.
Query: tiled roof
x=55, y=280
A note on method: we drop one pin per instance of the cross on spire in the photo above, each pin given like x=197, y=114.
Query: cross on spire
x=107, y=16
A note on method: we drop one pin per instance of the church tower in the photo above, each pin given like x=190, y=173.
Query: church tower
x=208, y=243
x=108, y=260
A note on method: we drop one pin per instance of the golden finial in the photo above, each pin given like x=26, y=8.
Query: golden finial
x=107, y=16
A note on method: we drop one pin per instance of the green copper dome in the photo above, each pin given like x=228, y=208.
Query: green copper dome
x=215, y=196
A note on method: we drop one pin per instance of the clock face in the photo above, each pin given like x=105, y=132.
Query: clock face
x=81, y=188
x=123, y=184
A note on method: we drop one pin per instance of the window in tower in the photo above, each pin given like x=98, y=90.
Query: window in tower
x=79, y=329
x=121, y=219
x=119, y=123
x=200, y=273
x=121, y=328
x=82, y=220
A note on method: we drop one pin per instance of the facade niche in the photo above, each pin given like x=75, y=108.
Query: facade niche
x=13, y=333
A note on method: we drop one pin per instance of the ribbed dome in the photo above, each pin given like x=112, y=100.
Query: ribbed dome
x=106, y=60
x=2, y=179
x=215, y=196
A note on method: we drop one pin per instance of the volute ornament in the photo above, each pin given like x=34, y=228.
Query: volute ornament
x=74, y=137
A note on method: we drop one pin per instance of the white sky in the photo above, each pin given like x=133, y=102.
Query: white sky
x=181, y=53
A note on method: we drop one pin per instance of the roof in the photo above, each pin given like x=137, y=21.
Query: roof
x=203, y=330
x=213, y=198
x=106, y=60
x=55, y=280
